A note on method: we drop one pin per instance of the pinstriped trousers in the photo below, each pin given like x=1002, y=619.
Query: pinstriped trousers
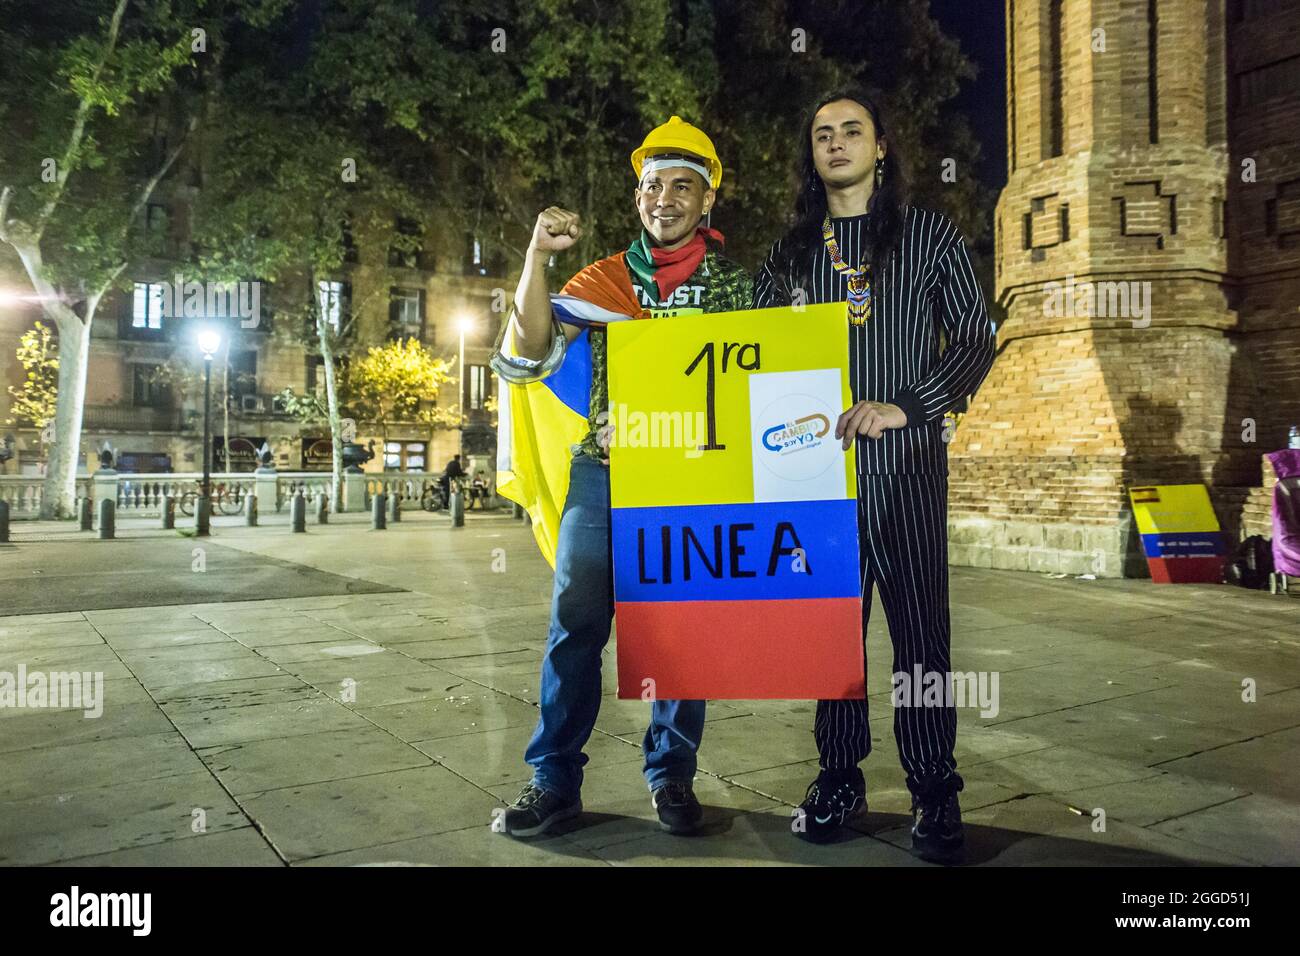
x=903, y=551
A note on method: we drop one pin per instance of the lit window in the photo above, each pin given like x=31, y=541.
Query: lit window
x=146, y=306
x=407, y=321
x=330, y=299
x=478, y=386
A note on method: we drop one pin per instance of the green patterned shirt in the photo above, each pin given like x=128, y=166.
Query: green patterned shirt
x=718, y=285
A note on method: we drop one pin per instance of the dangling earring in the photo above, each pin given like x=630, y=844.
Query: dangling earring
x=880, y=172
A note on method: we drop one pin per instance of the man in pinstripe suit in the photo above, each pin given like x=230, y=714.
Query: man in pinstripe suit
x=906, y=277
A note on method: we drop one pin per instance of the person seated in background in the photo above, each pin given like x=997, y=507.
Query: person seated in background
x=479, y=490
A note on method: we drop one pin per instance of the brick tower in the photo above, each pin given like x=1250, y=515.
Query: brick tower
x=1150, y=292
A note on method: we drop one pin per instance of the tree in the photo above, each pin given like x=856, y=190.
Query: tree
x=551, y=113
x=769, y=75
x=393, y=383
x=85, y=83
x=523, y=104
x=398, y=382
x=101, y=106
x=35, y=401
x=296, y=166
x=897, y=48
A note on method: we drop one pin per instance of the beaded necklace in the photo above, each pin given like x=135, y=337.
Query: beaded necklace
x=859, y=278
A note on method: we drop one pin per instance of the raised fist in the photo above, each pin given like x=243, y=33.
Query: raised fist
x=556, y=230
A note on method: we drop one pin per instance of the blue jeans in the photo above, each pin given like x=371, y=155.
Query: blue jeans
x=582, y=610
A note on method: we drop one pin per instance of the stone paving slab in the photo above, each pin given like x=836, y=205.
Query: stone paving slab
x=469, y=847
x=1152, y=800
x=158, y=674
x=1036, y=832
x=760, y=838
x=1252, y=764
x=380, y=690
x=125, y=814
x=1257, y=827
x=50, y=771
x=1109, y=727
x=57, y=728
x=85, y=575
x=355, y=812
x=218, y=688
x=244, y=846
x=48, y=636
x=208, y=722
x=258, y=765
x=127, y=637
x=450, y=715
x=496, y=757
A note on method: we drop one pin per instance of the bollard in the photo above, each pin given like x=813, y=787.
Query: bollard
x=107, y=510
x=377, y=522
x=168, y=513
x=298, y=511
x=86, y=506
x=516, y=510
x=4, y=521
x=202, y=516
x=250, y=510
x=457, y=509
x=322, y=508
x=394, y=507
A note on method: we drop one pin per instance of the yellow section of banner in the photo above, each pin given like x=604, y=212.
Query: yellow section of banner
x=680, y=402
x=1171, y=509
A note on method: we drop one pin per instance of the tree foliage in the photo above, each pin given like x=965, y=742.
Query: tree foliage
x=34, y=401
x=397, y=382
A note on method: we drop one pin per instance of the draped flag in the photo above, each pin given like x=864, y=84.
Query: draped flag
x=539, y=422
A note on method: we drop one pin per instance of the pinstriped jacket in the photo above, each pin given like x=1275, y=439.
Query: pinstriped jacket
x=928, y=289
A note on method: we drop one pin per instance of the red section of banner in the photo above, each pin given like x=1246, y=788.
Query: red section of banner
x=807, y=649
x=1207, y=570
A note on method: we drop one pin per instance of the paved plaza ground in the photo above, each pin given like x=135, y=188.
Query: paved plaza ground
x=227, y=736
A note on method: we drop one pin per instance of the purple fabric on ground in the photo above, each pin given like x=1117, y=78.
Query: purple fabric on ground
x=1286, y=511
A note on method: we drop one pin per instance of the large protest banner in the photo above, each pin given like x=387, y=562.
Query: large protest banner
x=734, y=519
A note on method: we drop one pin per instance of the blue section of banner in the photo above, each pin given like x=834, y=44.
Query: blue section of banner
x=1184, y=544
x=571, y=382
x=737, y=552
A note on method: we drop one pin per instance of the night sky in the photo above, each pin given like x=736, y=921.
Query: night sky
x=980, y=27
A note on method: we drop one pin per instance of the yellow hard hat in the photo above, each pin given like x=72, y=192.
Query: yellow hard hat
x=677, y=136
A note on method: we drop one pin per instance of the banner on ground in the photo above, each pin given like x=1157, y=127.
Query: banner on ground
x=1180, y=533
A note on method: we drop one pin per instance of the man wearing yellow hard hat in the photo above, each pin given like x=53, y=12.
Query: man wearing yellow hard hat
x=553, y=356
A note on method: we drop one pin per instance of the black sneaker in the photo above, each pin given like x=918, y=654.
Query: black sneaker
x=937, y=832
x=833, y=799
x=536, y=810
x=679, y=811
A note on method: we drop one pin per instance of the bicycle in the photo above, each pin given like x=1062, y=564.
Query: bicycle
x=432, y=497
x=226, y=500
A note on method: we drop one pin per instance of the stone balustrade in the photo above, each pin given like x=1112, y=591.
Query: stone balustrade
x=141, y=495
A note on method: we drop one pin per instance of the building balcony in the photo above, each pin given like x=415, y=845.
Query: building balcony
x=133, y=418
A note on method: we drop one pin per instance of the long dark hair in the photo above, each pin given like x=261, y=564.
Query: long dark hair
x=887, y=200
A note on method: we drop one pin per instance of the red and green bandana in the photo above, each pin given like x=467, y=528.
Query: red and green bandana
x=661, y=271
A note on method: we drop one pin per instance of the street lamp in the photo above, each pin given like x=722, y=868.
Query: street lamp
x=209, y=342
x=464, y=323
